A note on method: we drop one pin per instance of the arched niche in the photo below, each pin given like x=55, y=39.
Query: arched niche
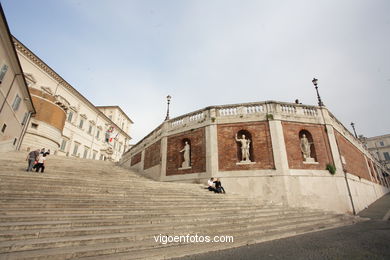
x=248, y=135
x=309, y=137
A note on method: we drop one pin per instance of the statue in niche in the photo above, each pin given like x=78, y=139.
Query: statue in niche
x=245, y=144
x=305, y=148
x=186, y=155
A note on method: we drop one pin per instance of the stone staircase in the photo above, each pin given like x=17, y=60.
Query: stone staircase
x=96, y=210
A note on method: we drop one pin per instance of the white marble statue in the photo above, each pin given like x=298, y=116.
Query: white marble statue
x=245, y=144
x=305, y=148
x=186, y=155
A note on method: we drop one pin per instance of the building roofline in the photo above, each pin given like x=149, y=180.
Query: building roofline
x=10, y=39
x=378, y=137
x=39, y=62
x=120, y=109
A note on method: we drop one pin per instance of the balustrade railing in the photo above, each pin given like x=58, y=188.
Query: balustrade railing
x=310, y=111
x=288, y=109
x=231, y=111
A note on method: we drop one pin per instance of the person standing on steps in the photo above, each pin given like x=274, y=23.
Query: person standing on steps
x=41, y=162
x=31, y=158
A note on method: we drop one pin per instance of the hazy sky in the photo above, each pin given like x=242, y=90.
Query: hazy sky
x=134, y=53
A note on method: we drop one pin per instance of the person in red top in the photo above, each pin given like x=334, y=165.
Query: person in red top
x=41, y=162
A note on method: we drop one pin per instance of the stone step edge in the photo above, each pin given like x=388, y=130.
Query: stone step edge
x=98, y=239
x=91, y=250
x=135, y=228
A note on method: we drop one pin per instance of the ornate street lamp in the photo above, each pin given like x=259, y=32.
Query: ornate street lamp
x=318, y=95
x=353, y=127
x=168, y=102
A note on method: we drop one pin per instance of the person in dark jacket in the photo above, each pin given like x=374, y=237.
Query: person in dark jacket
x=31, y=158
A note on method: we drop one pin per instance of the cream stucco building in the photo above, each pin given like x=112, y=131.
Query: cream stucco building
x=16, y=106
x=379, y=146
x=66, y=122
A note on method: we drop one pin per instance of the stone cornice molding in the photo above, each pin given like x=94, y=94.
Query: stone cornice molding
x=120, y=111
x=75, y=109
x=30, y=77
x=47, y=90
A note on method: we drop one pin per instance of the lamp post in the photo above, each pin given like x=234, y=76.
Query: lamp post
x=354, y=131
x=168, y=102
x=318, y=95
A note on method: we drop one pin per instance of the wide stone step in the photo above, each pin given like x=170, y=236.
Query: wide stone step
x=149, y=219
x=95, y=203
x=87, y=247
x=221, y=222
x=155, y=220
x=140, y=216
x=143, y=235
x=173, y=250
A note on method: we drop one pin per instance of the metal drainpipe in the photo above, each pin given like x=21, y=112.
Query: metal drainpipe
x=9, y=90
x=23, y=133
x=346, y=180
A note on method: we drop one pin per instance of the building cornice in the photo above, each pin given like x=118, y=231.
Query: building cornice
x=120, y=110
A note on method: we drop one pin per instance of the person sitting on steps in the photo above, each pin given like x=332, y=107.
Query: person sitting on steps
x=218, y=186
x=211, y=186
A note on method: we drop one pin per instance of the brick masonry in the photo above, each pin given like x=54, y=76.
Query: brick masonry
x=47, y=111
x=152, y=155
x=197, y=141
x=320, y=150
x=229, y=150
x=136, y=158
x=355, y=161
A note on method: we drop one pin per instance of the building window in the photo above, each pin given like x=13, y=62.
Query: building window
x=120, y=147
x=15, y=141
x=3, y=71
x=70, y=116
x=94, y=155
x=34, y=126
x=3, y=128
x=90, y=129
x=86, y=150
x=387, y=156
x=24, y=118
x=97, y=134
x=63, y=145
x=81, y=123
x=15, y=105
x=75, y=148
x=381, y=143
